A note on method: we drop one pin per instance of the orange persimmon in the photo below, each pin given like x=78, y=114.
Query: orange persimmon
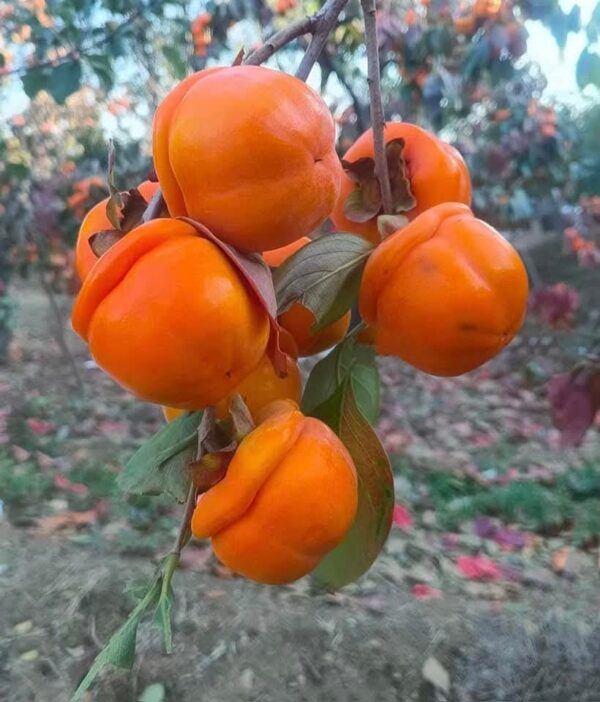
x=250, y=153
x=167, y=315
x=435, y=171
x=446, y=293
x=258, y=389
x=288, y=498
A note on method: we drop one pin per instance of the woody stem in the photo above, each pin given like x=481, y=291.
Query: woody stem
x=318, y=26
x=377, y=114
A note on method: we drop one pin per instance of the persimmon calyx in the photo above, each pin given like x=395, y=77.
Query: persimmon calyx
x=128, y=217
x=365, y=201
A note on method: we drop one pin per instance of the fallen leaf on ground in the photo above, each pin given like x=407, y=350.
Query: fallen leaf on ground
x=478, y=568
x=507, y=538
x=51, y=524
x=401, y=517
x=61, y=482
x=423, y=591
x=39, y=427
x=560, y=559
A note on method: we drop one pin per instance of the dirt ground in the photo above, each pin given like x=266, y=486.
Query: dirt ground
x=535, y=637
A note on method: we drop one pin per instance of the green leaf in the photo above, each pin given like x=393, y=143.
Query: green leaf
x=64, y=80
x=324, y=276
x=176, y=60
x=347, y=361
x=34, y=80
x=364, y=376
x=160, y=465
x=120, y=649
x=363, y=543
x=17, y=170
x=101, y=64
x=324, y=378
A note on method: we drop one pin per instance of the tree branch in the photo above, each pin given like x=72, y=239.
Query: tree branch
x=293, y=31
x=318, y=25
x=326, y=19
x=377, y=114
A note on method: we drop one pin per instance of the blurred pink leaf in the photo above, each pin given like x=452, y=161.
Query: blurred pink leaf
x=574, y=399
x=401, y=517
x=482, y=440
x=39, y=426
x=63, y=483
x=478, y=568
x=20, y=454
x=555, y=305
x=423, y=591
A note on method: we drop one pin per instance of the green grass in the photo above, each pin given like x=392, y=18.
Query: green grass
x=571, y=503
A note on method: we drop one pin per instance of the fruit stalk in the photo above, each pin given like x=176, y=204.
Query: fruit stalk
x=377, y=114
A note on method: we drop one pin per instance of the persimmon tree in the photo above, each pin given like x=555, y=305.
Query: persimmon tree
x=202, y=299
x=195, y=301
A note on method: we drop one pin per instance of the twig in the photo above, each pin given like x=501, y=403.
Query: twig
x=326, y=18
x=185, y=532
x=296, y=29
x=377, y=115
x=60, y=331
x=318, y=25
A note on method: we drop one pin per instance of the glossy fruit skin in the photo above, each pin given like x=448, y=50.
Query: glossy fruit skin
x=298, y=320
x=436, y=171
x=258, y=389
x=446, y=293
x=288, y=498
x=249, y=152
x=97, y=221
x=168, y=317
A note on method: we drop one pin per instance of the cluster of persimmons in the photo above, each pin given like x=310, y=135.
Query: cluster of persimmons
x=249, y=154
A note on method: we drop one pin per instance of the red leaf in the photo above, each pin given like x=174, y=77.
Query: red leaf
x=401, y=517
x=555, y=305
x=63, y=483
x=39, y=426
x=478, y=568
x=574, y=404
x=422, y=591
